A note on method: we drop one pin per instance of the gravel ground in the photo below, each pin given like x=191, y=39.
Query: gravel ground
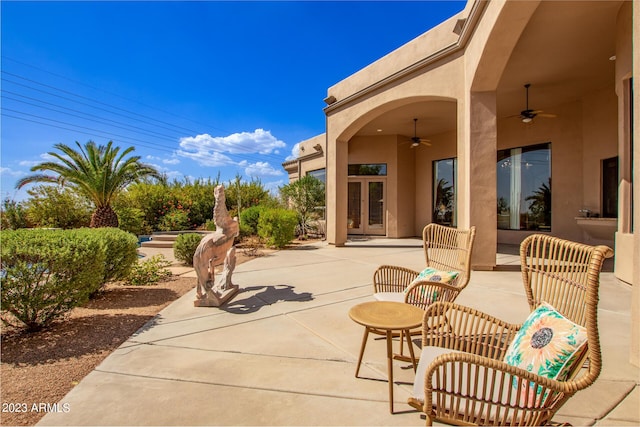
x=41, y=368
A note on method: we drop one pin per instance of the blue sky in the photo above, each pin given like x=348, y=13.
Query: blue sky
x=198, y=88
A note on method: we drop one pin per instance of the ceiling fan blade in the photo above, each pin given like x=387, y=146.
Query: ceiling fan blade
x=552, y=116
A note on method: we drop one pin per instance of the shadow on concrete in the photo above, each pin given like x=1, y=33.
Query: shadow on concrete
x=266, y=296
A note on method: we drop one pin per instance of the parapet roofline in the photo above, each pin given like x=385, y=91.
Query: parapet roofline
x=463, y=27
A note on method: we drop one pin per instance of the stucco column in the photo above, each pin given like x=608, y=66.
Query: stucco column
x=337, y=171
x=477, y=159
x=635, y=290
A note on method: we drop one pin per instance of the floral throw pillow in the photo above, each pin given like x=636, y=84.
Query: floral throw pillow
x=433, y=275
x=546, y=344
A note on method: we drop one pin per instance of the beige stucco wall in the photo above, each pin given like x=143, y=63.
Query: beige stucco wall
x=311, y=157
x=426, y=45
x=635, y=299
x=439, y=84
x=624, y=245
x=584, y=133
x=443, y=146
x=581, y=136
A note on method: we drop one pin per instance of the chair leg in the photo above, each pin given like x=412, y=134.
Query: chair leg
x=362, y=346
x=429, y=421
x=410, y=345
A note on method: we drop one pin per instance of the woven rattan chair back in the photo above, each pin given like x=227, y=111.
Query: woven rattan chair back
x=447, y=248
x=566, y=275
x=562, y=273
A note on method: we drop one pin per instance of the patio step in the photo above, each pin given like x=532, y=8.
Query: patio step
x=166, y=239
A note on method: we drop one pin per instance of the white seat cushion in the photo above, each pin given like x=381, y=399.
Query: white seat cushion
x=389, y=296
x=427, y=356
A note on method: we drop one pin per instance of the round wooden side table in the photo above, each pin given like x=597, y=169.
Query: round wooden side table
x=383, y=318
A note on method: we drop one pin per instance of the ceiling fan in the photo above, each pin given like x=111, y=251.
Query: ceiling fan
x=415, y=141
x=528, y=114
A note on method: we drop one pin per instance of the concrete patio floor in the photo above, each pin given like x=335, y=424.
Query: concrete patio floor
x=284, y=351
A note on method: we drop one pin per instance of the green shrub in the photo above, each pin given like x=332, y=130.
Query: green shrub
x=57, y=207
x=185, y=247
x=174, y=219
x=277, y=227
x=132, y=220
x=13, y=215
x=149, y=272
x=120, y=249
x=249, y=219
x=46, y=273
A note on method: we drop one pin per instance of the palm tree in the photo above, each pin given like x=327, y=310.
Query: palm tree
x=97, y=172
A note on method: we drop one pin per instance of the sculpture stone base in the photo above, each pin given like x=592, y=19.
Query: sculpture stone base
x=216, y=299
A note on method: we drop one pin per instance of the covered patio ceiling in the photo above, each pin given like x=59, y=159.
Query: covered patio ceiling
x=564, y=52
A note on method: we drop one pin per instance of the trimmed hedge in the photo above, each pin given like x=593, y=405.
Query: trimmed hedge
x=120, y=248
x=277, y=227
x=185, y=247
x=46, y=273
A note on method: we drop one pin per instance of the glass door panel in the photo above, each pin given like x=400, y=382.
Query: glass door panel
x=354, y=208
x=376, y=208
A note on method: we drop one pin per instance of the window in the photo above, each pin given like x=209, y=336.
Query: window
x=321, y=174
x=610, y=187
x=379, y=169
x=524, y=188
x=444, y=192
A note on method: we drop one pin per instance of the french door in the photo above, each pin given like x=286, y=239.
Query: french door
x=366, y=209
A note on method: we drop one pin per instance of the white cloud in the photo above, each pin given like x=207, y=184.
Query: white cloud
x=200, y=147
x=206, y=157
x=261, y=169
x=167, y=161
x=170, y=174
x=295, y=152
x=10, y=172
x=44, y=157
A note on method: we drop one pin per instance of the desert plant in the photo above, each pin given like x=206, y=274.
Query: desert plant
x=46, y=273
x=132, y=220
x=185, y=247
x=149, y=272
x=277, y=227
x=175, y=219
x=57, y=207
x=304, y=196
x=120, y=249
x=13, y=215
x=249, y=219
x=98, y=172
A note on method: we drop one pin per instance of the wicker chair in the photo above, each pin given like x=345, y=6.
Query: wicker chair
x=462, y=377
x=445, y=248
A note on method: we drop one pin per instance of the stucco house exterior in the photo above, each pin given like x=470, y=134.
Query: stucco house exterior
x=517, y=117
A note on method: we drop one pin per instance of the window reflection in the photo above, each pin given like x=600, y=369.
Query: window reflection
x=444, y=192
x=524, y=188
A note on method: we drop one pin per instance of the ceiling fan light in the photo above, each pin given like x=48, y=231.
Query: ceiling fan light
x=527, y=119
x=415, y=144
